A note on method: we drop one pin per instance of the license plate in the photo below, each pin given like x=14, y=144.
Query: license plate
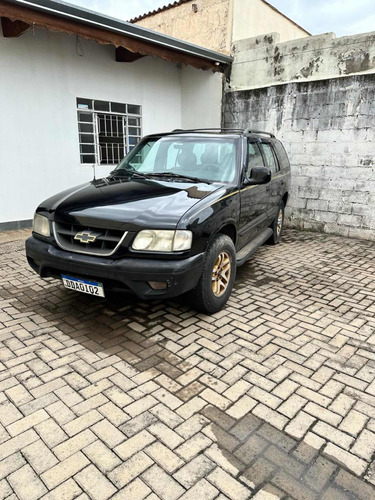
x=84, y=286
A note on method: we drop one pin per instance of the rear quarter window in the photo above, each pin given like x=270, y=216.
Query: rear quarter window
x=281, y=155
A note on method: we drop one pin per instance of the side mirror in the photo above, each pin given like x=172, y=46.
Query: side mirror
x=259, y=175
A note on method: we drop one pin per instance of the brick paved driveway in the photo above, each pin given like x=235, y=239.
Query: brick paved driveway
x=274, y=397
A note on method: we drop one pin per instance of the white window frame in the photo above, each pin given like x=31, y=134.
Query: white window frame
x=129, y=140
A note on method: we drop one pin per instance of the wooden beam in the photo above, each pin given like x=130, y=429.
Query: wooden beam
x=12, y=29
x=124, y=55
x=101, y=35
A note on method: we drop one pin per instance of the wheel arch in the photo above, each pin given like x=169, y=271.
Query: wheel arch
x=230, y=230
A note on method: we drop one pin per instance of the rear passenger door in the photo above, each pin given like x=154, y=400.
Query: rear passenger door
x=273, y=189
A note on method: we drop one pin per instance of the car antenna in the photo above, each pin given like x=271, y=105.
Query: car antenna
x=93, y=166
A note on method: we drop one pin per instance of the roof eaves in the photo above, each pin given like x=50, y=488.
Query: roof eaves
x=89, y=17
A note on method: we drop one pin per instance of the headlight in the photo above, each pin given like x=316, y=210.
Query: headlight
x=163, y=241
x=41, y=225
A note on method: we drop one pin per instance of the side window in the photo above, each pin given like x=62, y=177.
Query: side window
x=270, y=158
x=282, y=156
x=254, y=158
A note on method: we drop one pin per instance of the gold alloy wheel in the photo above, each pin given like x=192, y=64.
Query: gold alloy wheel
x=221, y=274
x=279, y=222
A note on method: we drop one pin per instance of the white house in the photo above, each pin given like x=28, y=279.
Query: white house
x=78, y=88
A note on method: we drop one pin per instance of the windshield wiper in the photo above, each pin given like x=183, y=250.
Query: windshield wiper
x=124, y=173
x=173, y=175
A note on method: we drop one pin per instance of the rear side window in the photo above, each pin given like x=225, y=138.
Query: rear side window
x=282, y=156
x=254, y=158
x=270, y=158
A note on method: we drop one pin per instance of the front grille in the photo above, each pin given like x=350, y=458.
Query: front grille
x=106, y=241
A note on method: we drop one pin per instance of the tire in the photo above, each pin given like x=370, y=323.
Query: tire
x=219, y=254
x=277, y=225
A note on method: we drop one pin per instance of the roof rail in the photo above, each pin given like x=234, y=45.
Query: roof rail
x=179, y=130
x=244, y=131
x=249, y=131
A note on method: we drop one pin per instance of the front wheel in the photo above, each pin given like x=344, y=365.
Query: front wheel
x=216, y=282
x=277, y=225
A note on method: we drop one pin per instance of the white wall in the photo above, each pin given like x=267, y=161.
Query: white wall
x=40, y=77
x=201, y=94
x=255, y=17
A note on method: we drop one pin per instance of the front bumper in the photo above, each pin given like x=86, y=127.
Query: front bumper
x=129, y=274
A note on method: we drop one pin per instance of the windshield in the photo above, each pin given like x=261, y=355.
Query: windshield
x=203, y=158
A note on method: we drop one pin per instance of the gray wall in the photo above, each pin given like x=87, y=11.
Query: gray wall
x=328, y=129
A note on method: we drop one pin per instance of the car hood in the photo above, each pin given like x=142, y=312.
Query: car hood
x=127, y=204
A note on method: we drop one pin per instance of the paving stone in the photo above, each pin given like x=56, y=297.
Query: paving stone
x=364, y=446
x=353, y=423
x=298, y=427
x=17, y=443
x=10, y=464
x=64, y=470
x=202, y=490
x=166, y=435
x=320, y=473
x=345, y=458
x=94, y=483
x=293, y=487
x=136, y=490
x=134, y=444
x=333, y=435
x=108, y=433
x=26, y=484
x=228, y=485
x=5, y=489
x=51, y=433
x=274, y=394
x=39, y=456
x=74, y=444
x=353, y=485
x=164, y=457
x=196, y=444
x=129, y=470
x=258, y=473
x=195, y=470
x=66, y=491
x=101, y=456
x=162, y=484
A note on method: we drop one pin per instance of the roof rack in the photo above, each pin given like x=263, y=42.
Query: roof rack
x=243, y=131
x=179, y=130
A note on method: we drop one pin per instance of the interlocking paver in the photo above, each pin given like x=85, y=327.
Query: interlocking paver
x=271, y=398
x=94, y=483
x=26, y=484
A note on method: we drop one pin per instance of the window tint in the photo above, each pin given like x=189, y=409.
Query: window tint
x=254, y=158
x=281, y=154
x=270, y=158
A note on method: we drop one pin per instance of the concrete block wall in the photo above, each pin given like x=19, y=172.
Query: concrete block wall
x=328, y=129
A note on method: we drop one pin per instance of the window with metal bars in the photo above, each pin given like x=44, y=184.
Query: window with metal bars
x=107, y=130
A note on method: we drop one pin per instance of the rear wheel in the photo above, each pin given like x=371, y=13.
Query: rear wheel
x=216, y=282
x=277, y=226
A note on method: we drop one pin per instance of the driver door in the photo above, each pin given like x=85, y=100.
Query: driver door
x=253, y=217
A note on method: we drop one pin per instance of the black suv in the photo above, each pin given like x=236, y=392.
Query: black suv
x=178, y=214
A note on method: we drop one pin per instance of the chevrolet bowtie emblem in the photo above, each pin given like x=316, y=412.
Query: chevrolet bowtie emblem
x=86, y=236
